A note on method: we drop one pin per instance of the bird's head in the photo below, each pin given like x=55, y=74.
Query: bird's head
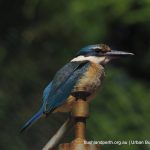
x=99, y=53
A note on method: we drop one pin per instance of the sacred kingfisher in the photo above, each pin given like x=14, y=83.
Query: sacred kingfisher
x=84, y=73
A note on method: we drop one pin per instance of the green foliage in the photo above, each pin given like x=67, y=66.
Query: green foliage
x=121, y=111
x=37, y=37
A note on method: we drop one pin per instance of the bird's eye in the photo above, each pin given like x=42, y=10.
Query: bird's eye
x=97, y=50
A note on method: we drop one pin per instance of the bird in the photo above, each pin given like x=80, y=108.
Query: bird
x=83, y=74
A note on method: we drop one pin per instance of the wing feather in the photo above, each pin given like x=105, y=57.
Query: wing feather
x=63, y=84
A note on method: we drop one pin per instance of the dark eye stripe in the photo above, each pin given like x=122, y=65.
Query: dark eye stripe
x=97, y=50
x=93, y=52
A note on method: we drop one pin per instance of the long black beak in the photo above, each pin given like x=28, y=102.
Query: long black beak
x=118, y=54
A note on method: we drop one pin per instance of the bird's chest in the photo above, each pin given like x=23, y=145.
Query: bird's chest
x=91, y=79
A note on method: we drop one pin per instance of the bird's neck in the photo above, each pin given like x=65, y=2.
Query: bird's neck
x=93, y=59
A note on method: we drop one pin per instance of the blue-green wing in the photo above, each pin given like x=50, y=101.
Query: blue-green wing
x=63, y=84
x=59, y=78
x=47, y=91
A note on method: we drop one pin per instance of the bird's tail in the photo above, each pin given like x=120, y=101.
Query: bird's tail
x=63, y=130
x=37, y=116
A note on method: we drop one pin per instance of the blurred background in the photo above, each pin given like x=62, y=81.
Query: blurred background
x=37, y=37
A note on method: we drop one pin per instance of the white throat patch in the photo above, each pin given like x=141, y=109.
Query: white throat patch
x=94, y=59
